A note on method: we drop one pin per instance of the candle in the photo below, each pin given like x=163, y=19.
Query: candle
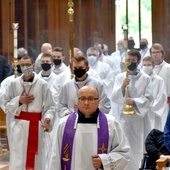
x=15, y=27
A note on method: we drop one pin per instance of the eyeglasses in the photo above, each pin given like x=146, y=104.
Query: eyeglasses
x=90, y=99
x=157, y=52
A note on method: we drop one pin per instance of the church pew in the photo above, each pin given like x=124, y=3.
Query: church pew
x=161, y=163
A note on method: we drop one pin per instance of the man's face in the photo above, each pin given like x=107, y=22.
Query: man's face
x=92, y=53
x=57, y=55
x=87, y=101
x=25, y=62
x=133, y=59
x=79, y=65
x=143, y=41
x=147, y=63
x=48, y=49
x=26, y=67
x=46, y=60
x=156, y=54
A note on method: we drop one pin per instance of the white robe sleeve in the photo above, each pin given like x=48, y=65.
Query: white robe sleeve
x=3, y=86
x=118, y=91
x=63, y=102
x=49, y=105
x=143, y=102
x=104, y=104
x=55, y=159
x=160, y=99
x=118, y=155
x=10, y=102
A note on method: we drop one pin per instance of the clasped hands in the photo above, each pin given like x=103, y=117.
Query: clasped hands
x=27, y=99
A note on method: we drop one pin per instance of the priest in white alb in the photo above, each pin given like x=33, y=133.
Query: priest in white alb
x=89, y=139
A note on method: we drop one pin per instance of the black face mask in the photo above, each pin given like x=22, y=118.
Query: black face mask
x=132, y=66
x=46, y=66
x=19, y=69
x=57, y=62
x=143, y=46
x=79, y=72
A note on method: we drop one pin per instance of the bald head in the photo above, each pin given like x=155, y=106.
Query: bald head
x=120, y=43
x=88, y=89
x=46, y=48
x=144, y=40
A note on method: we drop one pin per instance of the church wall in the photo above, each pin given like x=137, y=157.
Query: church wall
x=48, y=21
x=161, y=24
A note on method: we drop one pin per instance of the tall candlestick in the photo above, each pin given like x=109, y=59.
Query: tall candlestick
x=125, y=33
x=71, y=12
x=15, y=27
x=128, y=110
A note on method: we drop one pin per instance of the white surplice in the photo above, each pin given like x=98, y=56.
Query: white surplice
x=163, y=70
x=42, y=103
x=68, y=95
x=133, y=125
x=63, y=78
x=156, y=117
x=60, y=69
x=85, y=145
x=50, y=79
x=9, y=117
x=106, y=75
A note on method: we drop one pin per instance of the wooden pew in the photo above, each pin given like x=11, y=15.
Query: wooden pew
x=162, y=163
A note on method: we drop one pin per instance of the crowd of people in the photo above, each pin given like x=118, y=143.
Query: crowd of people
x=71, y=117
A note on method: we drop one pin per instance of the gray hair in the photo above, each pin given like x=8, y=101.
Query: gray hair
x=93, y=49
x=20, y=52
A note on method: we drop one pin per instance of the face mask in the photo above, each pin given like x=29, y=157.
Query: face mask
x=79, y=72
x=132, y=66
x=57, y=62
x=143, y=46
x=27, y=70
x=121, y=49
x=19, y=69
x=147, y=69
x=92, y=60
x=46, y=66
x=131, y=44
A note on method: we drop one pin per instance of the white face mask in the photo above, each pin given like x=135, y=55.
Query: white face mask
x=27, y=70
x=92, y=60
x=147, y=69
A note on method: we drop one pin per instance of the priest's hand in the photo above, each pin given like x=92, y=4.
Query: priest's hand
x=129, y=101
x=68, y=113
x=126, y=81
x=26, y=99
x=97, y=162
x=46, y=124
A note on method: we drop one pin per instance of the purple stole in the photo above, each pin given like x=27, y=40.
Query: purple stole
x=68, y=139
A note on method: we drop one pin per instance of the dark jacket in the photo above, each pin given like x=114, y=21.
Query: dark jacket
x=155, y=146
x=4, y=68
